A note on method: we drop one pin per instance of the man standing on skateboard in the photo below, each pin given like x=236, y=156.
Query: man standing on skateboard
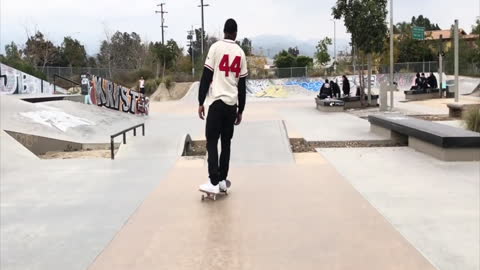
x=226, y=71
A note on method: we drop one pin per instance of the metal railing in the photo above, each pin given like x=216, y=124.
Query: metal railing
x=55, y=76
x=124, y=133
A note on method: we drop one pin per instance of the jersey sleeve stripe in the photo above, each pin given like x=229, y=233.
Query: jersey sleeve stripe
x=209, y=67
x=244, y=75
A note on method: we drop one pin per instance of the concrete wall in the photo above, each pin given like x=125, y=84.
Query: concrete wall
x=105, y=93
x=13, y=81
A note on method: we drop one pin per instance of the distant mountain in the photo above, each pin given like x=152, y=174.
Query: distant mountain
x=270, y=45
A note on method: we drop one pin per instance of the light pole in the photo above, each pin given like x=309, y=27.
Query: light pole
x=203, y=25
x=334, y=44
x=391, y=55
x=456, y=60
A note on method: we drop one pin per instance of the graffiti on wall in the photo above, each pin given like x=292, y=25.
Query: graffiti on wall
x=310, y=84
x=13, y=81
x=105, y=93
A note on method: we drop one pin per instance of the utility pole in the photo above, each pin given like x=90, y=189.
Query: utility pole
x=440, y=66
x=203, y=26
x=392, y=87
x=163, y=21
x=191, y=33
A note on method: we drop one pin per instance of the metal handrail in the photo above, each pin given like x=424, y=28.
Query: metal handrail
x=66, y=79
x=124, y=132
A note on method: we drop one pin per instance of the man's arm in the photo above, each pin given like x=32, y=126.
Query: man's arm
x=242, y=93
x=205, y=82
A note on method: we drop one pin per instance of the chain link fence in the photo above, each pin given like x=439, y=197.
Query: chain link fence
x=121, y=75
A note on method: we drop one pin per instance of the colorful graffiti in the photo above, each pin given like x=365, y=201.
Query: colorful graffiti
x=13, y=81
x=273, y=91
x=105, y=93
x=312, y=85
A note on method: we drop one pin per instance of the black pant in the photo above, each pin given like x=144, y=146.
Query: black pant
x=220, y=124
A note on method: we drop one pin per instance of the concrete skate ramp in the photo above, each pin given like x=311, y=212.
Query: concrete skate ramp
x=261, y=142
x=192, y=94
x=64, y=120
x=468, y=85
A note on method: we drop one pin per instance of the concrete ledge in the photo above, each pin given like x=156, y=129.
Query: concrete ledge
x=445, y=154
x=424, y=96
x=355, y=102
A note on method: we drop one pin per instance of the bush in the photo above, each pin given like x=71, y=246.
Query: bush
x=151, y=86
x=168, y=81
x=472, y=119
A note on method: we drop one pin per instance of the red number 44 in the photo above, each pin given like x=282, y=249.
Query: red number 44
x=234, y=67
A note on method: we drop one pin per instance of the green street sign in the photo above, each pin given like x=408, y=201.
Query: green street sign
x=418, y=33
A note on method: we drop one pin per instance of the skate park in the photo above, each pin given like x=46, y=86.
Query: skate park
x=359, y=145
x=364, y=207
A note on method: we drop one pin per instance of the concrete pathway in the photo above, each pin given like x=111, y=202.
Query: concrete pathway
x=276, y=217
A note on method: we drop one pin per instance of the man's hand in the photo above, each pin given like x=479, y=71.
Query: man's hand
x=201, y=112
x=239, y=119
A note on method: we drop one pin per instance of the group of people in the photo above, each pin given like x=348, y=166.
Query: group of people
x=423, y=83
x=331, y=88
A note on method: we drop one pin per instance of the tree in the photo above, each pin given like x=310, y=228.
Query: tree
x=476, y=28
x=322, y=55
x=12, y=53
x=284, y=60
x=304, y=61
x=40, y=51
x=365, y=20
x=73, y=53
x=294, y=51
x=166, y=54
x=424, y=22
x=246, y=46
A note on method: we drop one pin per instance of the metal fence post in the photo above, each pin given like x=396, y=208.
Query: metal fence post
x=124, y=138
x=135, y=132
x=143, y=129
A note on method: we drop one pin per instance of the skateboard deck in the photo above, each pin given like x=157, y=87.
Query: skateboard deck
x=212, y=195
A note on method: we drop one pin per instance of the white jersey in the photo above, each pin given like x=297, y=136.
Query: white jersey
x=228, y=62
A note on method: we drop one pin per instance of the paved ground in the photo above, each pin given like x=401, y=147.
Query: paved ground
x=285, y=211
x=434, y=204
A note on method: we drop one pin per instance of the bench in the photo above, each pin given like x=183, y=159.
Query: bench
x=440, y=141
x=457, y=110
x=330, y=105
x=422, y=94
x=355, y=103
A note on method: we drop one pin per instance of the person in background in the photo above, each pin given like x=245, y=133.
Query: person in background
x=418, y=82
x=432, y=81
x=326, y=90
x=423, y=81
x=141, y=84
x=336, y=89
x=346, y=86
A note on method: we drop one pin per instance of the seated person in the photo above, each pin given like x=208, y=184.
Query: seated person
x=432, y=81
x=424, y=82
x=326, y=90
x=418, y=83
x=335, y=89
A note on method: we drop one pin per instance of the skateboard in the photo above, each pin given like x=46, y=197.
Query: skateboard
x=213, y=196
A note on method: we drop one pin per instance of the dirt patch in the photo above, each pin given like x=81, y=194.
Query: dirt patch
x=434, y=117
x=302, y=146
x=195, y=148
x=88, y=154
x=176, y=92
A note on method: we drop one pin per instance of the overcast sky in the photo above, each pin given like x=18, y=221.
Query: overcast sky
x=87, y=20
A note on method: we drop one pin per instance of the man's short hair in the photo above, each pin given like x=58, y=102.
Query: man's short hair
x=230, y=27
